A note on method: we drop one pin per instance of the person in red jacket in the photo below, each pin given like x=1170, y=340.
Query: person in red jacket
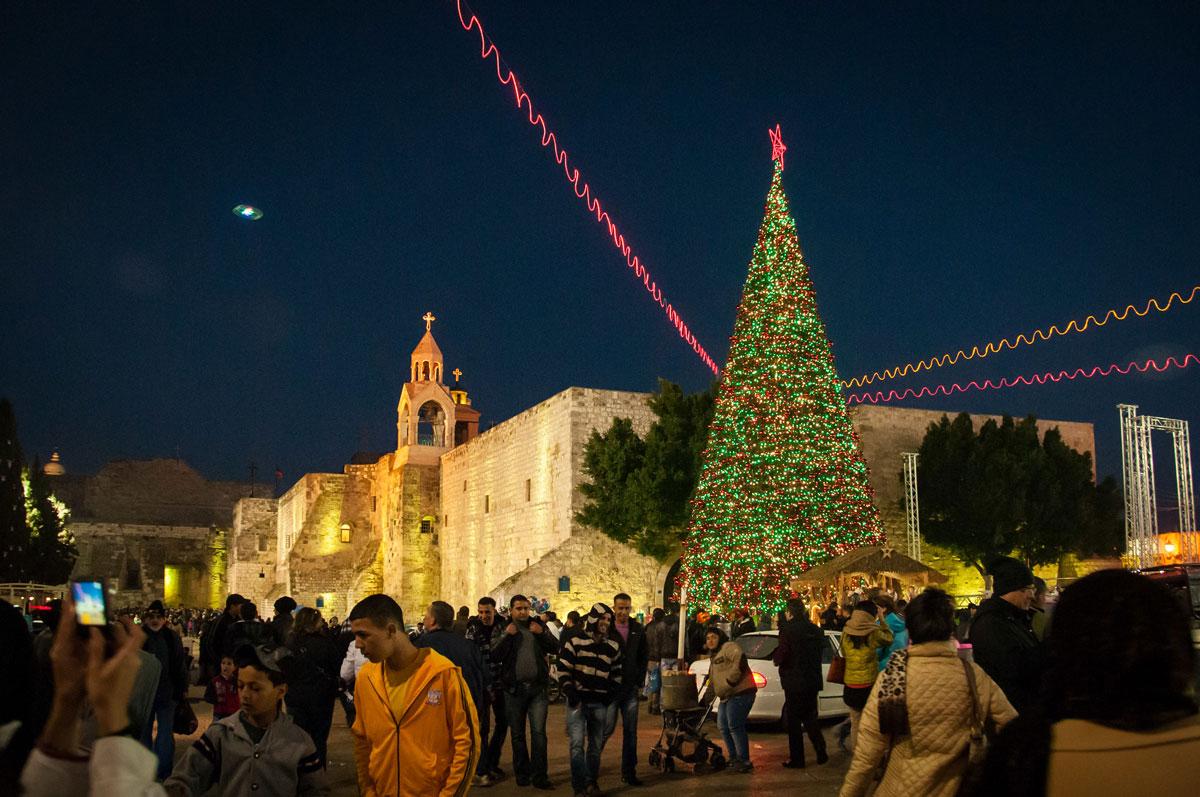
x=222, y=691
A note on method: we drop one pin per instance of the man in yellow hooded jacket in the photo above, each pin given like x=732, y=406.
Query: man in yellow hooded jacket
x=416, y=733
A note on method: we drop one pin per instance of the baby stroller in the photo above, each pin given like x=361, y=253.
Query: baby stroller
x=684, y=715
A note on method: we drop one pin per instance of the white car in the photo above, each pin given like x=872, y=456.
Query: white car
x=768, y=704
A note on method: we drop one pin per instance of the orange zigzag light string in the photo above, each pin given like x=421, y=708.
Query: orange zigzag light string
x=582, y=190
x=879, y=397
x=1022, y=339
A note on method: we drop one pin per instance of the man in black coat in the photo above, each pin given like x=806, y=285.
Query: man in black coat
x=635, y=655
x=524, y=673
x=212, y=637
x=164, y=645
x=1002, y=638
x=798, y=657
x=440, y=636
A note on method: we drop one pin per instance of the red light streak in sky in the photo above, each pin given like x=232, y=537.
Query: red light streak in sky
x=582, y=190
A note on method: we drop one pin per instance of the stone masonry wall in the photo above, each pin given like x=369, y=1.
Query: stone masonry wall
x=133, y=559
x=412, y=557
x=252, y=548
x=597, y=568
x=509, y=495
x=322, y=569
x=166, y=492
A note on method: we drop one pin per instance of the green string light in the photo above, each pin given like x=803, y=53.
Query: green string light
x=784, y=484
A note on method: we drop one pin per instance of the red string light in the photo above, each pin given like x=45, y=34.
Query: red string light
x=879, y=397
x=582, y=190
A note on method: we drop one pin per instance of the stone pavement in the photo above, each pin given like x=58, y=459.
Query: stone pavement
x=768, y=751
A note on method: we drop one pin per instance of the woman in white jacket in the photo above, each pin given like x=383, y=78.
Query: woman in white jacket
x=920, y=710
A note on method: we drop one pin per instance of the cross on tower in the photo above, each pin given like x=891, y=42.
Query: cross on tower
x=457, y=373
x=428, y=318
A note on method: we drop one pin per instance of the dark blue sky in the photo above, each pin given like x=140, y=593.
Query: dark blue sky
x=957, y=173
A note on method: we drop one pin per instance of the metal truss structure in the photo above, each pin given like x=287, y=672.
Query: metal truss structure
x=1137, y=469
x=912, y=504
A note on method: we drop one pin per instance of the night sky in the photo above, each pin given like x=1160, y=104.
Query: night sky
x=957, y=172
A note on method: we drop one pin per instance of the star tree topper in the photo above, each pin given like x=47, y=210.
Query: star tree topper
x=777, y=145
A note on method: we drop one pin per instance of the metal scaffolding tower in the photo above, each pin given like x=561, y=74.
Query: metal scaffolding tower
x=1137, y=469
x=912, y=504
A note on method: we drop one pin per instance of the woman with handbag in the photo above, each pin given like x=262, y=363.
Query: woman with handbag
x=862, y=639
x=923, y=723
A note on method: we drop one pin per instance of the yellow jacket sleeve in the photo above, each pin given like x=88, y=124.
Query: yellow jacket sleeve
x=463, y=726
x=362, y=745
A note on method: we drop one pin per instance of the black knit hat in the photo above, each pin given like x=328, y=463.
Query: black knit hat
x=1009, y=575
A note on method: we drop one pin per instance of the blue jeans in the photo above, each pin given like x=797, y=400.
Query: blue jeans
x=594, y=720
x=162, y=745
x=731, y=719
x=528, y=701
x=628, y=706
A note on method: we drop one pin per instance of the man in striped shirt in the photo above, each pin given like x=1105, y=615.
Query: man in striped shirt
x=591, y=665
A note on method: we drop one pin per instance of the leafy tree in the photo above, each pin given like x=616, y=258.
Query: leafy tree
x=1006, y=490
x=613, y=461
x=14, y=533
x=51, y=547
x=639, y=490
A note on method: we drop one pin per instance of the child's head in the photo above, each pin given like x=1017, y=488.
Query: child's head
x=261, y=682
x=228, y=668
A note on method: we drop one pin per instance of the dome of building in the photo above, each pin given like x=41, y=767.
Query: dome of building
x=54, y=467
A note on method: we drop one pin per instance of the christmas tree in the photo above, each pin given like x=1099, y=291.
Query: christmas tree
x=784, y=484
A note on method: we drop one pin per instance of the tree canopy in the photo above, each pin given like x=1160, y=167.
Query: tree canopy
x=34, y=544
x=638, y=490
x=1009, y=490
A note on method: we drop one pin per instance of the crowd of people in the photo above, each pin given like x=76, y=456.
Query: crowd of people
x=1009, y=698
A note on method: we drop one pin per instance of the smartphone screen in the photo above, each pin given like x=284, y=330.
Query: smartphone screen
x=89, y=600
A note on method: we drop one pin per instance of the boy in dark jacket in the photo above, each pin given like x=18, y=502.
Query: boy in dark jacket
x=258, y=750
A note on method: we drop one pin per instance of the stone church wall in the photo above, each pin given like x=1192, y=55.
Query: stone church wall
x=142, y=562
x=591, y=567
x=411, y=557
x=509, y=496
x=321, y=569
x=253, y=543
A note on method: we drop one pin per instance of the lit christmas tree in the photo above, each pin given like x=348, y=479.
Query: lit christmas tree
x=784, y=484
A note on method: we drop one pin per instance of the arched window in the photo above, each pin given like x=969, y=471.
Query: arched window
x=437, y=373
x=431, y=425
x=425, y=371
x=345, y=529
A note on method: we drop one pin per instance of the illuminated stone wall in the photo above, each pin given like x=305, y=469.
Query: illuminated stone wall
x=136, y=559
x=252, y=549
x=321, y=566
x=509, y=498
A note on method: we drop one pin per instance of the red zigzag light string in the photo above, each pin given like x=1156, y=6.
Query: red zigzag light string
x=880, y=397
x=582, y=190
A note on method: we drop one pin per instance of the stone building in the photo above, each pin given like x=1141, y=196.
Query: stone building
x=452, y=514
x=152, y=529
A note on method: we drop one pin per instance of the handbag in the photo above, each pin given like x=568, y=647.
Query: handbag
x=185, y=719
x=837, y=670
x=977, y=746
